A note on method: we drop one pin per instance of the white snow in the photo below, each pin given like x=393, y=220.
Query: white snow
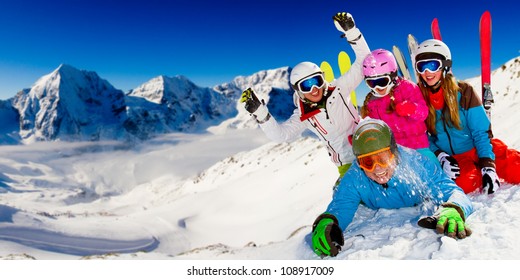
x=233, y=197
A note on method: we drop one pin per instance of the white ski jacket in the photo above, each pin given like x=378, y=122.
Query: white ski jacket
x=334, y=123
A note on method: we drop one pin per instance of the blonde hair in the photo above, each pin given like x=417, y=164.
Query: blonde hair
x=450, y=112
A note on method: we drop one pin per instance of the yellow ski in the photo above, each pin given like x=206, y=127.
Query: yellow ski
x=327, y=71
x=344, y=65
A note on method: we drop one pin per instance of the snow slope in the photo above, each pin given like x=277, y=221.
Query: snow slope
x=256, y=203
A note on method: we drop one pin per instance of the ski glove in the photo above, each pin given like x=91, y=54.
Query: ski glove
x=447, y=220
x=254, y=106
x=490, y=181
x=327, y=237
x=450, y=165
x=452, y=223
x=405, y=108
x=344, y=22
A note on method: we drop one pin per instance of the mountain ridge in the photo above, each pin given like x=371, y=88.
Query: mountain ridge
x=69, y=104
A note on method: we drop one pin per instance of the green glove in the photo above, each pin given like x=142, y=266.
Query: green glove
x=452, y=223
x=327, y=237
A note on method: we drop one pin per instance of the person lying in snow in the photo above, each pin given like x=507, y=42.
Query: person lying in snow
x=387, y=175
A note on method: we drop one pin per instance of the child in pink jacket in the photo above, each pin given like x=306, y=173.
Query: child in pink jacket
x=396, y=101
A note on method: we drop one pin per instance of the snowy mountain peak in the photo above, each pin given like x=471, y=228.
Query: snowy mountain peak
x=162, y=89
x=165, y=104
x=64, y=68
x=69, y=104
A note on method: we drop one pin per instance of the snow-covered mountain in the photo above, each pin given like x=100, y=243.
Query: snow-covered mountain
x=270, y=85
x=9, y=123
x=70, y=104
x=168, y=104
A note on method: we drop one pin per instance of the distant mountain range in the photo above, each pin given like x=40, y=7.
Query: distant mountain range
x=77, y=105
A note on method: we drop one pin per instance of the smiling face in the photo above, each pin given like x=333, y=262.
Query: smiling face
x=379, y=165
x=381, y=174
x=315, y=95
x=430, y=78
x=380, y=92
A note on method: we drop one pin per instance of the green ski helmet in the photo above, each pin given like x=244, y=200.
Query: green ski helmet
x=372, y=135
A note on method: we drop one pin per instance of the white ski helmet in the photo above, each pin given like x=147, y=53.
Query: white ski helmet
x=433, y=48
x=301, y=71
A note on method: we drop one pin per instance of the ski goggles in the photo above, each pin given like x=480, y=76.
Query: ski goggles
x=432, y=65
x=380, y=82
x=382, y=157
x=306, y=85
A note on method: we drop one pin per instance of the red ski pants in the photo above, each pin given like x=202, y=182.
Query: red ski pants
x=507, y=163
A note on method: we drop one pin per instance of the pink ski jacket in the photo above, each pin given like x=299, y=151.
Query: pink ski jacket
x=409, y=129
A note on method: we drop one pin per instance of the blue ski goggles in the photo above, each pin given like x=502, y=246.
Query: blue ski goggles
x=306, y=85
x=432, y=65
x=378, y=82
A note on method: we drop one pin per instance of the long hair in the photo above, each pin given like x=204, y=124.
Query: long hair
x=364, y=109
x=450, y=112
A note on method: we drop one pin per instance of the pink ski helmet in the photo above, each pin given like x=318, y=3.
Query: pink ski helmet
x=379, y=62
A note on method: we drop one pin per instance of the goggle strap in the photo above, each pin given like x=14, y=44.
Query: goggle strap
x=309, y=76
x=374, y=152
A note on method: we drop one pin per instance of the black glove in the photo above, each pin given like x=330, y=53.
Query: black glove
x=327, y=237
x=254, y=106
x=490, y=181
x=450, y=165
x=344, y=22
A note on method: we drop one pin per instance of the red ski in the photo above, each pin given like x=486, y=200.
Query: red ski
x=436, y=31
x=485, y=56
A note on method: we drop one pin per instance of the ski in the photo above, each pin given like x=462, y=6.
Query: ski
x=344, y=64
x=485, y=58
x=412, y=46
x=327, y=71
x=436, y=31
x=401, y=61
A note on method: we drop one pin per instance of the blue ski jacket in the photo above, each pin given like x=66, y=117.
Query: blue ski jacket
x=416, y=180
x=475, y=132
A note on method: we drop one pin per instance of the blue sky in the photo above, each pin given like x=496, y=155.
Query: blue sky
x=211, y=42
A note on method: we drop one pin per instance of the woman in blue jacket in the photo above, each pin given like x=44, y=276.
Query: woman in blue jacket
x=387, y=175
x=460, y=131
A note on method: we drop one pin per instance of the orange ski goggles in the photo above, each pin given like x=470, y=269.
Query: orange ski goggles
x=383, y=157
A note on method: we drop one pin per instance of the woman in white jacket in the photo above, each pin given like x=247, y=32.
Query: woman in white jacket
x=325, y=109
